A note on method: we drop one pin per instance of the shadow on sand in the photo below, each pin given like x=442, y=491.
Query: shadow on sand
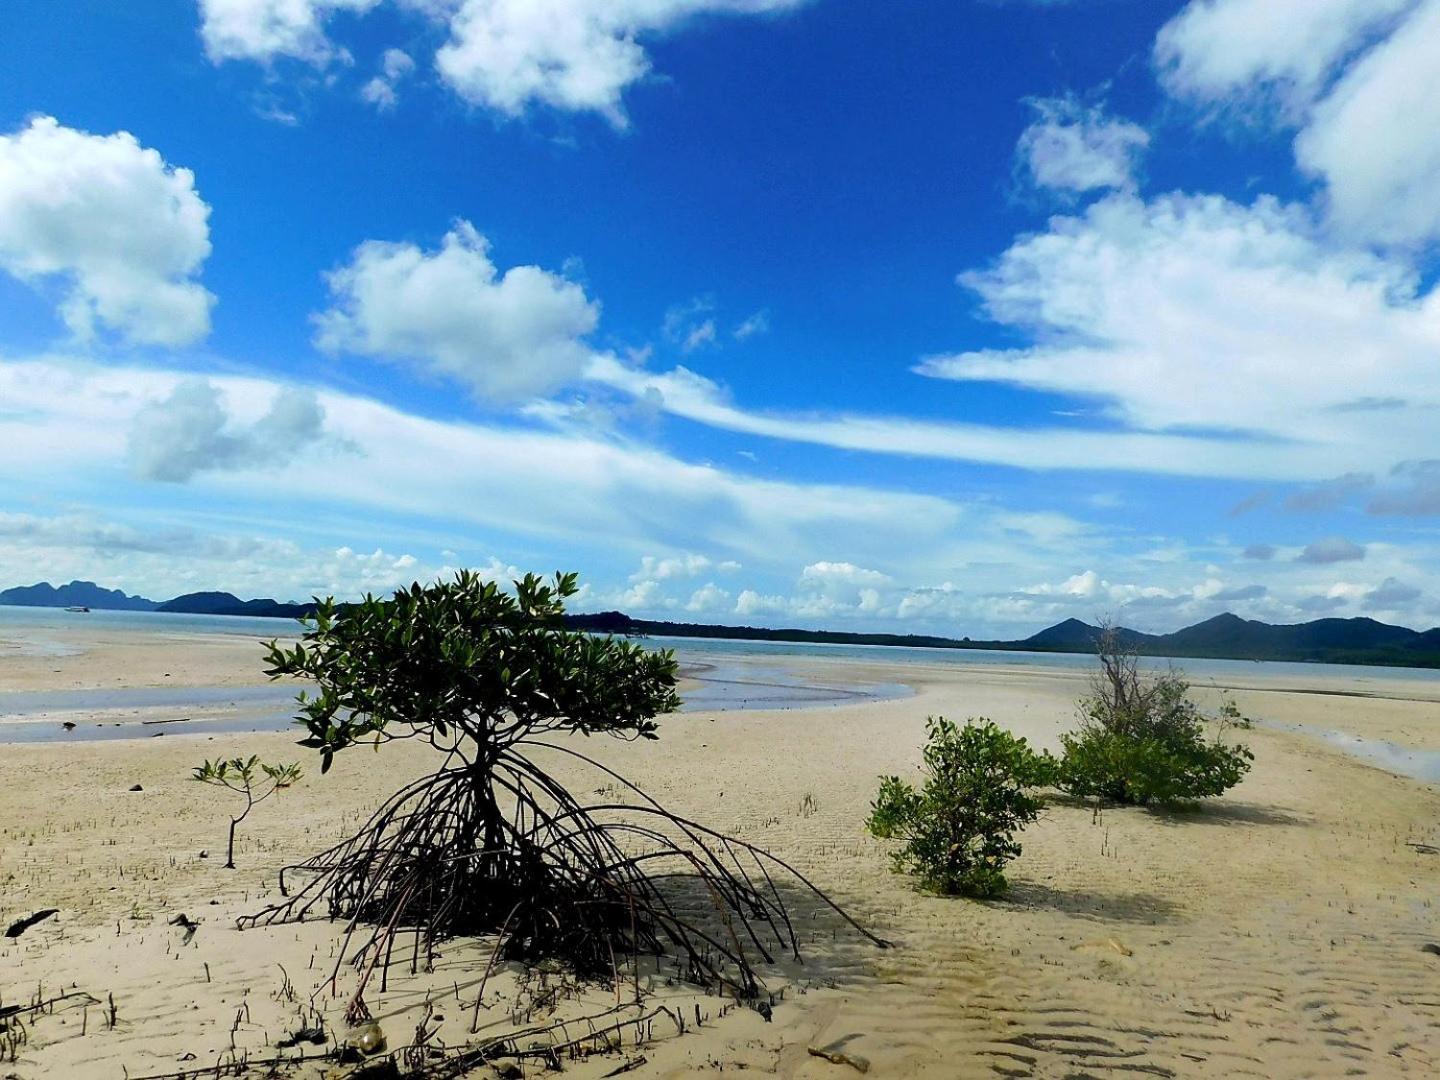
x=1208, y=812
x=1136, y=908
x=1227, y=812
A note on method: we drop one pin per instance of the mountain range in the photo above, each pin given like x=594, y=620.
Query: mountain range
x=1224, y=637
x=88, y=594
x=76, y=594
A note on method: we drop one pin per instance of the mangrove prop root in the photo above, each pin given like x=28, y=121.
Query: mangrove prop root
x=553, y=879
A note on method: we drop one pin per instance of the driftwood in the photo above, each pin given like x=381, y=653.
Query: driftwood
x=19, y=926
x=48, y=1004
x=453, y=1064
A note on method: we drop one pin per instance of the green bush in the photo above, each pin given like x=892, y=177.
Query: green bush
x=1143, y=742
x=959, y=828
x=1149, y=771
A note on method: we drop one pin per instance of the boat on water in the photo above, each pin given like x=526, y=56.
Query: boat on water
x=79, y=608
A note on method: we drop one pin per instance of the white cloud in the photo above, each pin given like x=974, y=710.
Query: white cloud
x=1375, y=139
x=395, y=65
x=682, y=392
x=162, y=562
x=688, y=565
x=1228, y=52
x=709, y=597
x=191, y=432
x=570, y=54
x=504, y=336
x=841, y=573
x=689, y=325
x=643, y=595
x=943, y=601
x=701, y=334
x=1190, y=313
x=1359, y=78
x=753, y=326
x=1071, y=147
x=124, y=230
x=750, y=602
x=814, y=554
x=265, y=29
x=70, y=420
x=506, y=55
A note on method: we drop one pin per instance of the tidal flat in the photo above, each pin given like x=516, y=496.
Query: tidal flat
x=1279, y=931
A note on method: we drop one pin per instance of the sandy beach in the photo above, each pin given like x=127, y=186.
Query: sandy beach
x=1278, y=933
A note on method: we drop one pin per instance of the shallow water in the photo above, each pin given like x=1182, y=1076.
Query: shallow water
x=180, y=698
x=730, y=675
x=1392, y=757
x=26, y=621
x=39, y=716
x=1356, y=677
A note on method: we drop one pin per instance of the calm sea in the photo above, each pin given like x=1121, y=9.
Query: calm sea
x=21, y=624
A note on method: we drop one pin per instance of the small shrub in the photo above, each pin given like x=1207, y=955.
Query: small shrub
x=959, y=828
x=240, y=776
x=1143, y=742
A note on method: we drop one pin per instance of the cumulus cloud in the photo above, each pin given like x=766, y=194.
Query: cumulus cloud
x=380, y=91
x=1177, y=316
x=505, y=55
x=1090, y=591
x=123, y=230
x=750, y=602
x=1246, y=51
x=1375, y=139
x=1357, y=77
x=1260, y=552
x=1188, y=312
x=1071, y=147
x=451, y=311
x=191, y=432
x=688, y=565
x=577, y=55
x=709, y=597
x=1332, y=549
x=266, y=29
x=841, y=573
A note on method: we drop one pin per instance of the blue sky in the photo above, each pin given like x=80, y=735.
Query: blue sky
x=956, y=317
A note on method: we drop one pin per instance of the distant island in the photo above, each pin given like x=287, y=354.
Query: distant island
x=1224, y=637
x=88, y=594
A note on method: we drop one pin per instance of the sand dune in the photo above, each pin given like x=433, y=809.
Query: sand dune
x=1278, y=933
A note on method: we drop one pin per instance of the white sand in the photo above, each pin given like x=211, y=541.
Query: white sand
x=1276, y=934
